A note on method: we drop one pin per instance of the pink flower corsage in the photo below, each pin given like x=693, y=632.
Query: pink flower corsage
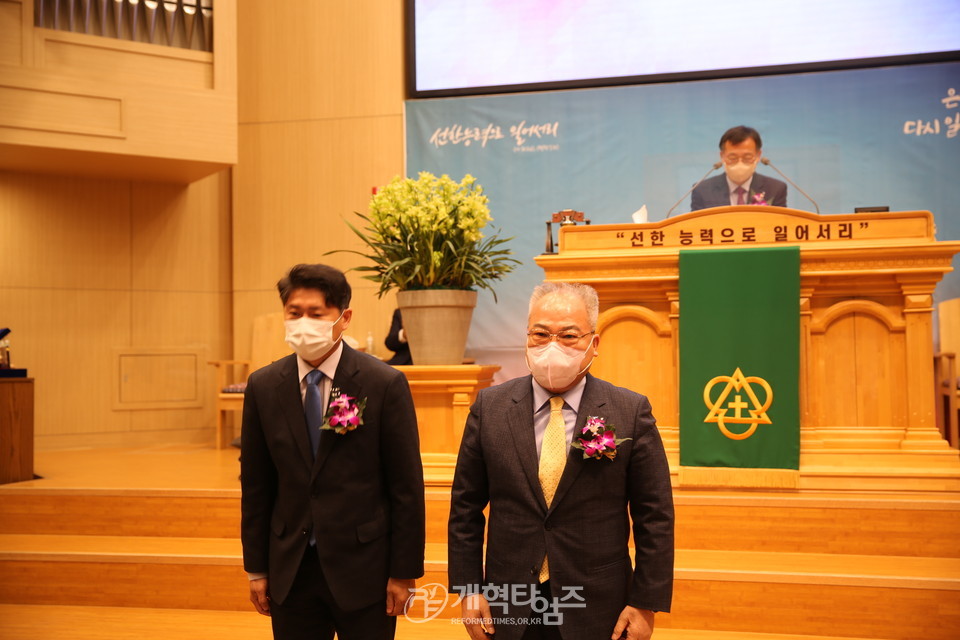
x=760, y=198
x=598, y=439
x=344, y=413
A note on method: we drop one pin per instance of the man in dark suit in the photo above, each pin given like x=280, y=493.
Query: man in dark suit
x=740, y=151
x=333, y=501
x=559, y=516
x=396, y=341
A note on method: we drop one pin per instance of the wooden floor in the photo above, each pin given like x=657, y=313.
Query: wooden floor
x=155, y=470
x=143, y=543
x=18, y=622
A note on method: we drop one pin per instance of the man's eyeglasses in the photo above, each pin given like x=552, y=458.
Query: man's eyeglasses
x=749, y=159
x=566, y=338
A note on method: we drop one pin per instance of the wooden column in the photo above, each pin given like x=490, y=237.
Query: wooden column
x=918, y=313
x=16, y=429
x=808, y=432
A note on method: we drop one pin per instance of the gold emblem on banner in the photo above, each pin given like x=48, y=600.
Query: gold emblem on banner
x=739, y=385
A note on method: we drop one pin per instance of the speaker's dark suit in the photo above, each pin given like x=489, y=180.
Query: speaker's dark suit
x=715, y=192
x=401, y=350
x=362, y=496
x=585, y=531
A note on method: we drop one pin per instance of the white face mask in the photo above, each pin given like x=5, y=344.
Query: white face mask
x=310, y=338
x=555, y=366
x=740, y=172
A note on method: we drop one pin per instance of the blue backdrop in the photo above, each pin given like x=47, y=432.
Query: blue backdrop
x=886, y=136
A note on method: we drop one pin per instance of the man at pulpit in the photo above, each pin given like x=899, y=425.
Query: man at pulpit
x=740, y=151
x=565, y=462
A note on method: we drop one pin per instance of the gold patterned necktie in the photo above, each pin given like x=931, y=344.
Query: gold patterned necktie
x=553, y=457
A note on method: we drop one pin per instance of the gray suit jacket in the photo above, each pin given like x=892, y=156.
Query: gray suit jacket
x=715, y=193
x=362, y=496
x=586, y=530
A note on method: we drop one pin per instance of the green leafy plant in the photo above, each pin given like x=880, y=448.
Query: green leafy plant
x=428, y=234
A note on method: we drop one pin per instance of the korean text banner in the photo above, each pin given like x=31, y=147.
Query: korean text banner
x=739, y=367
x=871, y=137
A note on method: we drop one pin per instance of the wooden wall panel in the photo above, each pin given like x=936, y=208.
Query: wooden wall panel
x=315, y=138
x=158, y=378
x=348, y=59
x=838, y=379
x=181, y=280
x=294, y=187
x=298, y=182
x=11, y=43
x=80, y=55
x=44, y=110
x=862, y=361
x=181, y=236
x=137, y=110
x=198, y=320
x=165, y=319
x=65, y=338
x=632, y=354
x=880, y=362
x=89, y=266
x=71, y=162
x=64, y=232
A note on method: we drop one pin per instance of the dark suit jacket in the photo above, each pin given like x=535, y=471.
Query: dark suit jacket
x=586, y=531
x=401, y=350
x=716, y=193
x=363, y=495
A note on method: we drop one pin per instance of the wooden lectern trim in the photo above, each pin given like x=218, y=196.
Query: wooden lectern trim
x=868, y=307
x=643, y=314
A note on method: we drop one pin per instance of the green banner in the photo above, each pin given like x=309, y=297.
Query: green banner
x=739, y=366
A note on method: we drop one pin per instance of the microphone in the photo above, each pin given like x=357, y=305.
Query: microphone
x=716, y=165
x=767, y=162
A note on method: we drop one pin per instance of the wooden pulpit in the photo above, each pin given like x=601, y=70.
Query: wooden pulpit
x=442, y=395
x=867, y=387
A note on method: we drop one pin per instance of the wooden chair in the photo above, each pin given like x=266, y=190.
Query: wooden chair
x=266, y=345
x=945, y=371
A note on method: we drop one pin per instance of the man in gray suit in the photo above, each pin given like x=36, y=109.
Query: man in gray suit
x=332, y=485
x=565, y=461
x=740, y=150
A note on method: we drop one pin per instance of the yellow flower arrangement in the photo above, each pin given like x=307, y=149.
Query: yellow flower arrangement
x=428, y=234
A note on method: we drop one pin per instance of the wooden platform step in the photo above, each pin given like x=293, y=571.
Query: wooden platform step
x=31, y=622
x=188, y=573
x=816, y=522
x=693, y=634
x=51, y=622
x=749, y=591
x=820, y=522
x=89, y=511
x=691, y=564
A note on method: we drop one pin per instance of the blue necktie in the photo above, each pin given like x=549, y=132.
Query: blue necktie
x=313, y=408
